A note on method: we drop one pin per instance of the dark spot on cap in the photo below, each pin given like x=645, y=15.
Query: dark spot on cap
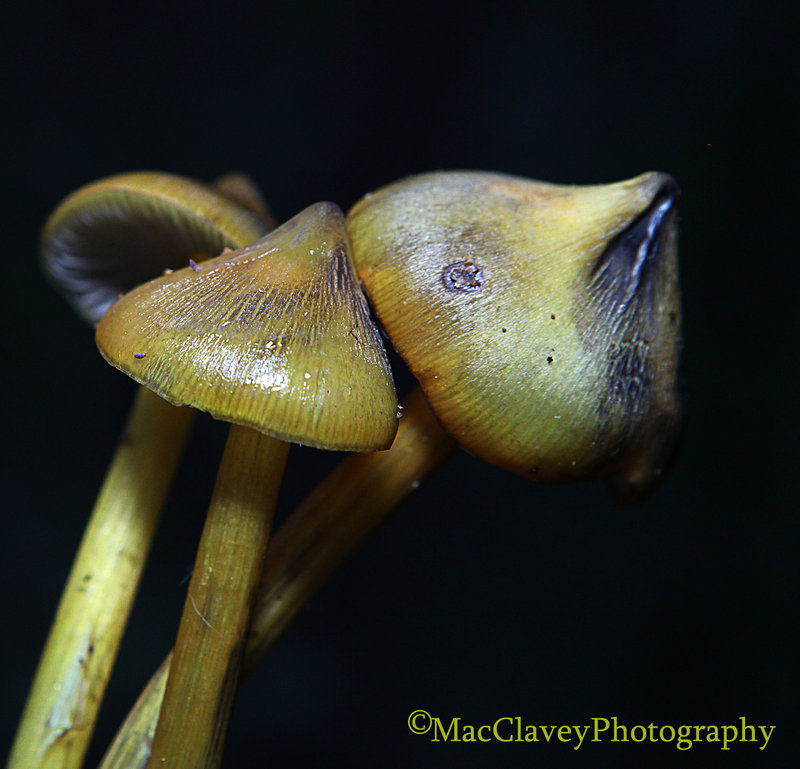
x=463, y=276
x=339, y=275
x=552, y=316
x=504, y=330
x=549, y=358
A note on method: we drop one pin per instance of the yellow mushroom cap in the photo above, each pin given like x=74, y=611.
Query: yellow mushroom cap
x=275, y=336
x=118, y=232
x=542, y=321
x=240, y=188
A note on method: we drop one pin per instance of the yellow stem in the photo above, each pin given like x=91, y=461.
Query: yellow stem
x=216, y=616
x=335, y=520
x=328, y=527
x=76, y=663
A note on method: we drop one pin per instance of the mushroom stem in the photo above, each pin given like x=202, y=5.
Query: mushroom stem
x=327, y=528
x=216, y=616
x=62, y=706
x=338, y=517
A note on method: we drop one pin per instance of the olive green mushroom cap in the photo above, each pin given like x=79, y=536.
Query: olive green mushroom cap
x=275, y=336
x=542, y=320
x=116, y=233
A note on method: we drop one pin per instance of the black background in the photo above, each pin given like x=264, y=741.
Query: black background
x=485, y=596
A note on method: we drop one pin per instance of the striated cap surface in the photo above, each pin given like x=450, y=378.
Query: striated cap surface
x=275, y=336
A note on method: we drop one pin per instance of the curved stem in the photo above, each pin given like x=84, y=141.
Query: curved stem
x=338, y=517
x=216, y=616
x=78, y=656
x=328, y=527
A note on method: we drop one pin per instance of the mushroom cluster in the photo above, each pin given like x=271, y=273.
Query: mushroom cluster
x=542, y=322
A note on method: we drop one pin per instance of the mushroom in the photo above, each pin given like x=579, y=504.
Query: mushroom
x=602, y=258
x=276, y=338
x=241, y=189
x=542, y=320
x=121, y=231
x=101, y=240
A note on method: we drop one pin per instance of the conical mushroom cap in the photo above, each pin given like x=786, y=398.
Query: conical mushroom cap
x=275, y=336
x=542, y=321
x=114, y=234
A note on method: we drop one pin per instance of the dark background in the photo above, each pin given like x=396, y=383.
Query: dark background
x=485, y=596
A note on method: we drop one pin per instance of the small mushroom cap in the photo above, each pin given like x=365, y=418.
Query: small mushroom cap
x=275, y=336
x=243, y=190
x=542, y=321
x=116, y=233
